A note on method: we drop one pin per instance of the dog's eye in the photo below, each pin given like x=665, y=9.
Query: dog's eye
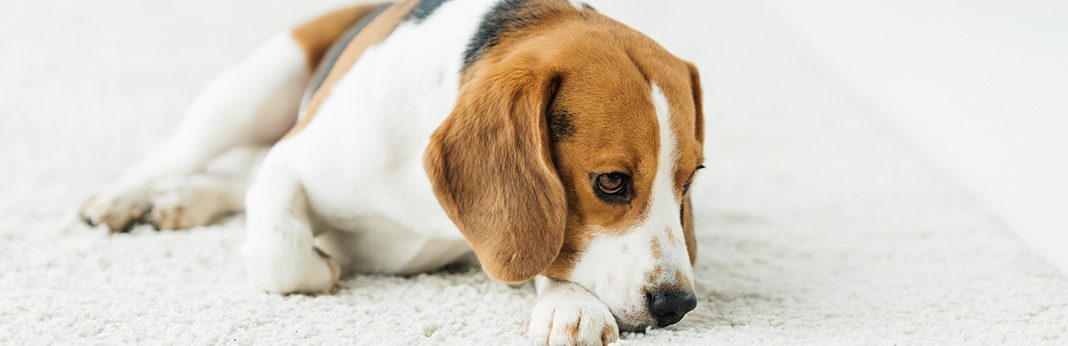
x=612, y=187
x=610, y=183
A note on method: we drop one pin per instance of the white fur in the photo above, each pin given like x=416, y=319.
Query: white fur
x=563, y=307
x=615, y=267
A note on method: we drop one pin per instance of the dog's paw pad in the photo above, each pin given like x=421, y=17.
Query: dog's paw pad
x=117, y=211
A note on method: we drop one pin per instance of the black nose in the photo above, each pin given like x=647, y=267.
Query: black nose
x=668, y=307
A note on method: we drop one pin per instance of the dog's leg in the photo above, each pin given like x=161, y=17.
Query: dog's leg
x=200, y=198
x=253, y=103
x=194, y=200
x=279, y=249
x=567, y=314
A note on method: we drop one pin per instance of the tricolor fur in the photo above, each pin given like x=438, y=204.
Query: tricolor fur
x=428, y=129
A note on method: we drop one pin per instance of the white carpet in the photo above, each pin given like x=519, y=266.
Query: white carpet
x=817, y=224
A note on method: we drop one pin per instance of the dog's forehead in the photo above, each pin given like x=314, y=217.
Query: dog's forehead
x=606, y=119
x=610, y=114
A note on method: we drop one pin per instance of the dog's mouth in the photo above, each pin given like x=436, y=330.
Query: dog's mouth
x=636, y=328
x=633, y=321
x=633, y=327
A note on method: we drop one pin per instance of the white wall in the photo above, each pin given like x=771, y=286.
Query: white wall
x=980, y=87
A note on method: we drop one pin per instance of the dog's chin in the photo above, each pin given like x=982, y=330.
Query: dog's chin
x=633, y=327
x=634, y=322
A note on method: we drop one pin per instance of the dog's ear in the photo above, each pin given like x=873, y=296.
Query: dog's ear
x=698, y=104
x=492, y=170
x=687, y=229
x=699, y=128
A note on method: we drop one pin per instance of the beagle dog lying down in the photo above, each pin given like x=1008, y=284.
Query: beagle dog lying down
x=554, y=142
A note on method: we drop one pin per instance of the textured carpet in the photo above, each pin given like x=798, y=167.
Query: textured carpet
x=816, y=223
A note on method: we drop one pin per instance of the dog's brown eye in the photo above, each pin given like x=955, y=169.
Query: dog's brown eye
x=612, y=187
x=610, y=183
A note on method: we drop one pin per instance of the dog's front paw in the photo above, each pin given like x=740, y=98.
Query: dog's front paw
x=118, y=209
x=279, y=268
x=570, y=315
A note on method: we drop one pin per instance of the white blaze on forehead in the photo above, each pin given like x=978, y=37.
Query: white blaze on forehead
x=616, y=267
x=663, y=188
x=663, y=216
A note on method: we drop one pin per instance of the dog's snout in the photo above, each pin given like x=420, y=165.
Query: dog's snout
x=668, y=307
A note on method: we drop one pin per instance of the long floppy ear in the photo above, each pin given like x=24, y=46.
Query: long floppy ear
x=698, y=103
x=687, y=229
x=699, y=128
x=492, y=171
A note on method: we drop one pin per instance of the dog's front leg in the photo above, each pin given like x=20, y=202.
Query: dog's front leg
x=567, y=314
x=279, y=250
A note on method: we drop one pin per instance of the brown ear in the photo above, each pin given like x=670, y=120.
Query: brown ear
x=492, y=171
x=687, y=229
x=699, y=128
x=698, y=103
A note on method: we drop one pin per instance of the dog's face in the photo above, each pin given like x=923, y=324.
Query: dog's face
x=627, y=144
x=572, y=158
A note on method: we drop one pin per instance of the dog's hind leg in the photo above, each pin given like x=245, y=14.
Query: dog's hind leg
x=200, y=198
x=251, y=104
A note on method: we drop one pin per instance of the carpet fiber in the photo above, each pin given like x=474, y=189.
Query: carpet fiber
x=816, y=223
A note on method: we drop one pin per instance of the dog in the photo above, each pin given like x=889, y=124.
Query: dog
x=555, y=143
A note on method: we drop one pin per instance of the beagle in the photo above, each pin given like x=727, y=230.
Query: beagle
x=555, y=143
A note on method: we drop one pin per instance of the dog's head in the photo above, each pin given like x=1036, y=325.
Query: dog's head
x=569, y=154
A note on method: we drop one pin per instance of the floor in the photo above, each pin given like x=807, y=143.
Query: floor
x=977, y=86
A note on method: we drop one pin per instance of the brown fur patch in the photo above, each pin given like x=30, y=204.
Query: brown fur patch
x=608, y=335
x=317, y=35
x=687, y=230
x=654, y=275
x=573, y=329
x=375, y=32
x=679, y=283
x=683, y=282
x=657, y=251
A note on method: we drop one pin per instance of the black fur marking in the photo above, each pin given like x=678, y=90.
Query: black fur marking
x=560, y=125
x=499, y=20
x=559, y=119
x=424, y=9
x=682, y=214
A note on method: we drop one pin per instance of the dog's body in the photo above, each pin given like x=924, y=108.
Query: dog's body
x=435, y=127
